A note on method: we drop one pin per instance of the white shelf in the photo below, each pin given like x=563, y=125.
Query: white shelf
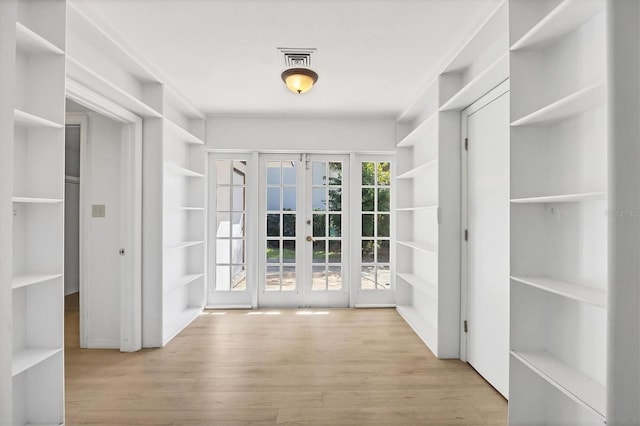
x=183, y=134
x=416, y=208
x=565, y=289
x=567, y=198
x=410, y=174
x=492, y=76
x=423, y=328
x=31, y=279
x=419, y=246
x=184, y=280
x=424, y=286
x=24, y=119
x=566, y=17
x=183, y=171
x=27, y=358
x=32, y=42
x=183, y=245
x=418, y=134
x=180, y=322
x=582, y=389
x=578, y=102
x=36, y=200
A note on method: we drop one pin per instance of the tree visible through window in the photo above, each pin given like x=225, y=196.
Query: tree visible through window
x=376, y=225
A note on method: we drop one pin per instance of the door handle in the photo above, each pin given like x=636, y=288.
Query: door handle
x=310, y=238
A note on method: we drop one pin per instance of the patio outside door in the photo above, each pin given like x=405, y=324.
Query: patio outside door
x=302, y=221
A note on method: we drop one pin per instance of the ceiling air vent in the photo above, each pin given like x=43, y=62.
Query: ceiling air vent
x=298, y=58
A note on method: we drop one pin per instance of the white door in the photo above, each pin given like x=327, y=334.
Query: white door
x=302, y=225
x=487, y=132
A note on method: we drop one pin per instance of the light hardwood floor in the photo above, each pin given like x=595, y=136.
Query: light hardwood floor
x=346, y=367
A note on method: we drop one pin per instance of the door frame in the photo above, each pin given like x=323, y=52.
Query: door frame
x=131, y=214
x=477, y=105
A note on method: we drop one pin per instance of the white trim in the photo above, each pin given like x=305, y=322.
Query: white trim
x=374, y=305
x=131, y=288
x=103, y=343
x=227, y=307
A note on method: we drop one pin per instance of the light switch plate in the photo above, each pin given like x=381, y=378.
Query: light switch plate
x=98, y=210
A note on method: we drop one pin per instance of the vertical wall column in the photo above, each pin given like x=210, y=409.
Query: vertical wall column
x=623, y=62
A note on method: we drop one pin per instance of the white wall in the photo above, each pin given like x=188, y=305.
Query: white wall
x=103, y=178
x=301, y=134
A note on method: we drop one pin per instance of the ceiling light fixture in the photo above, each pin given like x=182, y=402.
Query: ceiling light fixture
x=299, y=80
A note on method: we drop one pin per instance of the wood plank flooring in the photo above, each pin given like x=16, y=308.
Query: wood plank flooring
x=344, y=367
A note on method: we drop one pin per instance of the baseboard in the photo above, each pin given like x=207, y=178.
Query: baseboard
x=103, y=343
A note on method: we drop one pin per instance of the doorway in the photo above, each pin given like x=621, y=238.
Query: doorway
x=485, y=129
x=303, y=221
x=103, y=223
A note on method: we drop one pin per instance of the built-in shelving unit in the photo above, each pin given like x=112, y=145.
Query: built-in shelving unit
x=558, y=205
x=425, y=158
x=428, y=187
x=32, y=82
x=177, y=183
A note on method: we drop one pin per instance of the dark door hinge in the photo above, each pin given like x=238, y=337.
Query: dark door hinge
x=466, y=144
x=466, y=235
x=465, y=326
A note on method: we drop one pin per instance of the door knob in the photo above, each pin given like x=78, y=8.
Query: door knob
x=310, y=238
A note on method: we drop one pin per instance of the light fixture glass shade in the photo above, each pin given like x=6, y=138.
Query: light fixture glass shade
x=299, y=80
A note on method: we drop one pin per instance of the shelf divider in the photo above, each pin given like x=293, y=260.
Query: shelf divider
x=26, y=280
x=36, y=200
x=183, y=134
x=580, y=388
x=571, y=291
x=27, y=358
x=183, y=245
x=410, y=174
x=32, y=42
x=566, y=17
x=183, y=171
x=430, y=124
x=575, y=103
x=567, y=198
x=419, y=246
x=422, y=285
x=25, y=119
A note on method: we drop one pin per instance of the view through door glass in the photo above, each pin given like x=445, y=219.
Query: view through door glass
x=281, y=193
x=326, y=186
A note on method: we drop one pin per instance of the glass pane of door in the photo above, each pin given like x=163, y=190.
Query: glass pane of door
x=326, y=189
x=228, y=246
x=326, y=186
x=231, y=211
x=280, y=219
x=376, y=225
x=279, y=216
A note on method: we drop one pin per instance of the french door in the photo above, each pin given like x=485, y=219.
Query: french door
x=302, y=229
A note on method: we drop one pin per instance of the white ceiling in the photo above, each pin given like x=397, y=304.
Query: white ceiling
x=373, y=56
